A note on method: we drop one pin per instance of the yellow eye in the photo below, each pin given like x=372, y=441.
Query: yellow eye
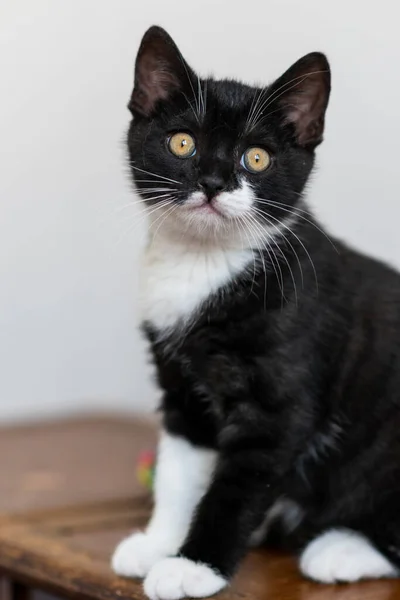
x=256, y=160
x=182, y=145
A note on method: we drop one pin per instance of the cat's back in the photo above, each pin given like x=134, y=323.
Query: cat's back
x=369, y=278
x=369, y=294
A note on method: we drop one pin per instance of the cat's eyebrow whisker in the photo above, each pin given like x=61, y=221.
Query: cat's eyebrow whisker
x=285, y=88
x=254, y=104
x=155, y=174
x=271, y=112
x=273, y=96
x=257, y=92
x=197, y=112
x=200, y=94
x=191, y=106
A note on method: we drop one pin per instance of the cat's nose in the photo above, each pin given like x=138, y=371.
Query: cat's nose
x=211, y=185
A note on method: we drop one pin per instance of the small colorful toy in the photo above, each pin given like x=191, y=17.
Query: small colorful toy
x=145, y=468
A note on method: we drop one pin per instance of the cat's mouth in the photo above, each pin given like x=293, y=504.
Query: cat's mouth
x=208, y=208
x=200, y=204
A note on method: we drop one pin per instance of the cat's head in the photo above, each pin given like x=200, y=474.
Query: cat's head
x=221, y=161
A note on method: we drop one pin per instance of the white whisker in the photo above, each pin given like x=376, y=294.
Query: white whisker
x=200, y=94
x=255, y=102
x=133, y=203
x=142, y=216
x=261, y=254
x=243, y=228
x=205, y=96
x=271, y=254
x=152, y=190
x=165, y=215
x=296, y=211
x=191, y=105
x=146, y=181
x=281, y=234
x=197, y=112
x=283, y=224
x=155, y=174
x=285, y=88
x=273, y=239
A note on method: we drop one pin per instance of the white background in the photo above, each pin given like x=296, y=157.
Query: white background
x=68, y=261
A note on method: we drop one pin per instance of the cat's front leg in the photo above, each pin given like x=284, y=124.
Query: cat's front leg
x=183, y=474
x=226, y=517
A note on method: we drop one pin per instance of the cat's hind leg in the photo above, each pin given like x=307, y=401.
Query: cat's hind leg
x=343, y=555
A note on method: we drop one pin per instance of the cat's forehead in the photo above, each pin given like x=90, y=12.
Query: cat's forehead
x=222, y=105
x=230, y=95
x=230, y=103
x=221, y=111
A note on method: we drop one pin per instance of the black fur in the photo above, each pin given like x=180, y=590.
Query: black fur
x=298, y=388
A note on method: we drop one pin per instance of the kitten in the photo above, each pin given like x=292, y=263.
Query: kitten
x=277, y=350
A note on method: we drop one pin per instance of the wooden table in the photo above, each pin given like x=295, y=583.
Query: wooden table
x=68, y=493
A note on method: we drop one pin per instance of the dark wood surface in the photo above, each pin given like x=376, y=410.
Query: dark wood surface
x=68, y=493
x=70, y=462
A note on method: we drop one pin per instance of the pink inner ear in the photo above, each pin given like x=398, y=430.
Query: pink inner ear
x=305, y=107
x=154, y=82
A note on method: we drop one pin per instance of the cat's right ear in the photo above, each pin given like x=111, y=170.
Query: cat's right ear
x=303, y=94
x=160, y=71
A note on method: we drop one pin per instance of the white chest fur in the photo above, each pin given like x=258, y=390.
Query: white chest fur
x=177, y=279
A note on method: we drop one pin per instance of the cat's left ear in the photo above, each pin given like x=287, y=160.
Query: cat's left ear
x=303, y=94
x=160, y=71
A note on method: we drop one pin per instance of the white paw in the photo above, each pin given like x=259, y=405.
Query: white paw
x=175, y=578
x=344, y=556
x=135, y=555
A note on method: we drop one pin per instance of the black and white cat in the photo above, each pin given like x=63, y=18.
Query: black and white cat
x=278, y=352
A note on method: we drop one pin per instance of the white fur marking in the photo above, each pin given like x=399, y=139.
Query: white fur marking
x=237, y=203
x=231, y=204
x=177, y=279
x=183, y=475
x=341, y=555
x=194, y=251
x=136, y=554
x=175, y=578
